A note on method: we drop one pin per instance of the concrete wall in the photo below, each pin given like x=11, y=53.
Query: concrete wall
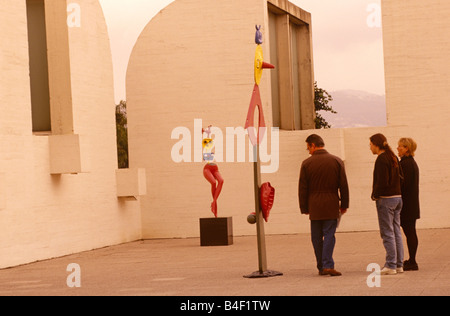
x=194, y=61
x=43, y=215
x=416, y=46
x=417, y=70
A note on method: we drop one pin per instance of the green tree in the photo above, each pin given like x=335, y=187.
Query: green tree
x=321, y=100
x=122, y=134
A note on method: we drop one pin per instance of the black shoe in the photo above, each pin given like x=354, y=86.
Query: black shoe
x=410, y=266
x=331, y=272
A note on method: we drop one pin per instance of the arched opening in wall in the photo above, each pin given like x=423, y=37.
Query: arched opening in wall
x=349, y=60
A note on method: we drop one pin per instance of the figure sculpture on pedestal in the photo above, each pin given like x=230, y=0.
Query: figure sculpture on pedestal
x=211, y=170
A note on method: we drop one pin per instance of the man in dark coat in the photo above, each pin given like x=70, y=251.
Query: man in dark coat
x=324, y=196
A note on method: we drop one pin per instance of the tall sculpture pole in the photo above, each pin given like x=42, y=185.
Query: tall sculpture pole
x=256, y=140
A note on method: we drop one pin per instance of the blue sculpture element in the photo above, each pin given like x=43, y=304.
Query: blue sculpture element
x=258, y=36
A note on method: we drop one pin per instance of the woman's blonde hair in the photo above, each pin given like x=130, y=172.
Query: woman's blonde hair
x=409, y=144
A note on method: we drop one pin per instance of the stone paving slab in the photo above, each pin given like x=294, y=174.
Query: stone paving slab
x=181, y=267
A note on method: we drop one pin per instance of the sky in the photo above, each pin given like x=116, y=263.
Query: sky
x=347, y=40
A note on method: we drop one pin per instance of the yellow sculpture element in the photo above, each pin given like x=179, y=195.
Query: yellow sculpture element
x=259, y=60
x=207, y=143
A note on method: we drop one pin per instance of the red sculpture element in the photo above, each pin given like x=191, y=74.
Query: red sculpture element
x=250, y=122
x=207, y=131
x=267, y=66
x=212, y=174
x=267, y=198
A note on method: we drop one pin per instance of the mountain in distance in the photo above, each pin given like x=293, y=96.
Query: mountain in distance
x=356, y=109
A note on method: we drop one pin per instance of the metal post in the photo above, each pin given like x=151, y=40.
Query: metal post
x=261, y=237
x=262, y=257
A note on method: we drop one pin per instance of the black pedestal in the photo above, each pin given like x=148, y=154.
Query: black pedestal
x=216, y=231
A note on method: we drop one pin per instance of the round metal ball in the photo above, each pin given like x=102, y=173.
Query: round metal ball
x=251, y=219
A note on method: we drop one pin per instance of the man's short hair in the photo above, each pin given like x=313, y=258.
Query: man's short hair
x=316, y=140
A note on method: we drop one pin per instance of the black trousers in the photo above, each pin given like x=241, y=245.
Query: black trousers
x=409, y=228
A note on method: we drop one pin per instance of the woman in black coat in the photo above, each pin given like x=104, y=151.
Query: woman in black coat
x=410, y=194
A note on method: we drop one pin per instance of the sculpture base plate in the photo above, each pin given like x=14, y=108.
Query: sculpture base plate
x=265, y=274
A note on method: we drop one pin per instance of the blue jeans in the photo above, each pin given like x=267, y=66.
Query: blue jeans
x=323, y=240
x=389, y=219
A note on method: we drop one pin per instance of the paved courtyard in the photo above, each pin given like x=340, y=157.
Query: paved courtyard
x=180, y=267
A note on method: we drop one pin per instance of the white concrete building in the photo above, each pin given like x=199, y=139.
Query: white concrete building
x=60, y=191
x=58, y=157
